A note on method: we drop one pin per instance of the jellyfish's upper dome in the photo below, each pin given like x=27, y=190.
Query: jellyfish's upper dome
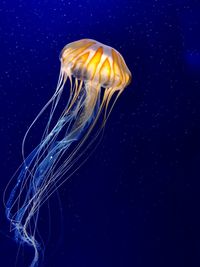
x=88, y=59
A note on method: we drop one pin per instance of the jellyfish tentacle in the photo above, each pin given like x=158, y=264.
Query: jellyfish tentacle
x=59, y=88
x=42, y=168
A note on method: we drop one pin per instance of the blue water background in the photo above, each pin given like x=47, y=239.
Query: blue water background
x=135, y=202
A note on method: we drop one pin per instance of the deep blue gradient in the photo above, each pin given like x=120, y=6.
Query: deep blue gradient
x=135, y=202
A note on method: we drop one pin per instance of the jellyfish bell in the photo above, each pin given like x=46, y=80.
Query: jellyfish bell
x=97, y=66
x=96, y=72
x=90, y=60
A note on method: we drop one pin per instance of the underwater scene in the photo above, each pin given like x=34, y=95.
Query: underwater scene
x=100, y=133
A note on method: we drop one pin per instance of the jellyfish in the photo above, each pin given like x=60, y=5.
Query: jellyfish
x=94, y=75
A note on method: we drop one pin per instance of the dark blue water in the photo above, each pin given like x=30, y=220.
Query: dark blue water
x=135, y=202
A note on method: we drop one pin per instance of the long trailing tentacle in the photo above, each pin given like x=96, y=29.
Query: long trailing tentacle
x=40, y=175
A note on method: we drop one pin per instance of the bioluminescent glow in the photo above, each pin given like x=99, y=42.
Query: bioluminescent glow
x=94, y=74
